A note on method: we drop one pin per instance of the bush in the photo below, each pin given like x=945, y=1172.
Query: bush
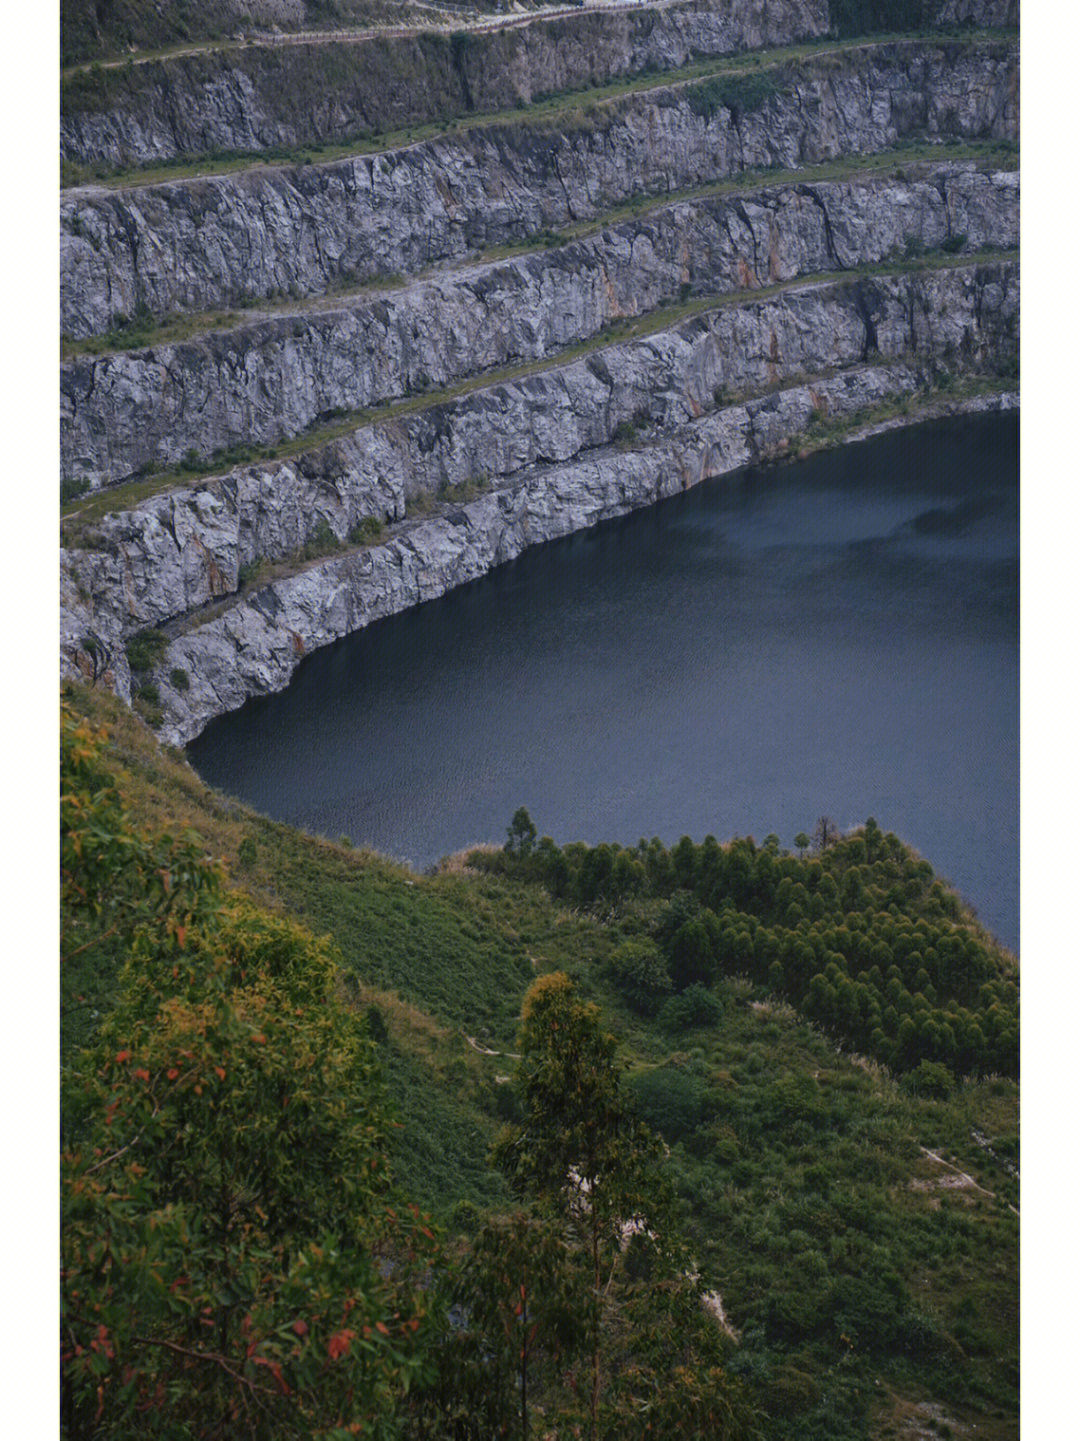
x=669, y=1100
x=953, y=244
x=367, y=531
x=929, y=1078
x=695, y=1007
x=72, y=489
x=638, y=969
x=179, y=678
x=247, y=852
x=734, y=92
x=145, y=650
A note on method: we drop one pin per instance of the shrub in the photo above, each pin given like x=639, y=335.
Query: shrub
x=367, y=531
x=669, y=1100
x=953, y=244
x=72, y=489
x=247, y=852
x=694, y=1007
x=179, y=678
x=145, y=650
x=929, y=1078
x=639, y=971
x=732, y=92
x=250, y=571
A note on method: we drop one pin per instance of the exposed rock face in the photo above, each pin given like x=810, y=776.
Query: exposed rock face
x=204, y=243
x=276, y=377
x=995, y=14
x=255, y=646
x=250, y=100
x=178, y=551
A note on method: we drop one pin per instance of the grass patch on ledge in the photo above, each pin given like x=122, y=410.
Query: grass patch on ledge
x=142, y=330
x=581, y=104
x=83, y=511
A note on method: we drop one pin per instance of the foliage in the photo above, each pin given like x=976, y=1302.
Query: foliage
x=230, y=1240
x=860, y=936
x=520, y=834
x=368, y=531
x=639, y=970
x=145, y=650
x=580, y=1151
x=805, y=1169
x=737, y=93
x=516, y=1282
x=696, y=1006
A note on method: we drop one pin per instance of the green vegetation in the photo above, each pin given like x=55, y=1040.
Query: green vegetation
x=101, y=28
x=738, y=94
x=860, y=937
x=859, y=1271
x=145, y=650
x=228, y=1217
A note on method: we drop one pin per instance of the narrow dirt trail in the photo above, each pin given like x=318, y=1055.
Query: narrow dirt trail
x=969, y=1181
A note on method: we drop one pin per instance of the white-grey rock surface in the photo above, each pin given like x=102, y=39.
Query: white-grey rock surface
x=543, y=446
x=318, y=93
x=255, y=646
x=273, y=378
x=279, y=230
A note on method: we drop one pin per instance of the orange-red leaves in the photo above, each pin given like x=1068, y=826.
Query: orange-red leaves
x=122, y=1056
x=339, y=1344
x=300, y=1328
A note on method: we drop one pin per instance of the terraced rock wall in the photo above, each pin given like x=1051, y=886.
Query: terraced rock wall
x=200, y=244
x=262, y=97
x=476, y=403
x=176, y=552
x=275, y=377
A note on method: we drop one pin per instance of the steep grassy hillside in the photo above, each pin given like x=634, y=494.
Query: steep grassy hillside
x=859, y=1224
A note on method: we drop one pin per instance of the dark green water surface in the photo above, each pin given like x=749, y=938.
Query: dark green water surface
x=838, y=636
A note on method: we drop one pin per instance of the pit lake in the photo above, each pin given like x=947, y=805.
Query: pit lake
x=837, y=636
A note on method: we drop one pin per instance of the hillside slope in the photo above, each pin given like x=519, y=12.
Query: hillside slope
x=860, y=1227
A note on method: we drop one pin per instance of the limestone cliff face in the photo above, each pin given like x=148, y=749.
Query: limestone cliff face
x=249, y=100
x=204, y=243
x=180, y=550
x=256, y=644
x=997, y=14
x=275, y=377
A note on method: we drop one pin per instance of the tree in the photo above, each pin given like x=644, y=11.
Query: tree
x=516, y=1282
x=234, y=1258
x=520, y=834
x=802, y=844
x=826, y=833
x=580, y=1151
